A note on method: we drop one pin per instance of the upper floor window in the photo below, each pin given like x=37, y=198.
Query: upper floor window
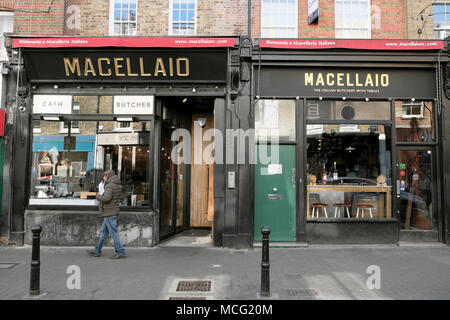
x=182, y=17
x=123, y=18
x=279, y=19
x=352, y=19
x=441, y=20
x=6, y=25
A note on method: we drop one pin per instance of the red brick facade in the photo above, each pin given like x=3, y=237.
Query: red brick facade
x=214, y=17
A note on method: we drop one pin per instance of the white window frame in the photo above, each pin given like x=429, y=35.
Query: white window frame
x=263, y=35
x=442, y=28
x=171, y=33
x=413, y=104
x=117, y=126
x=369, y=23
x=111, y=19
x=2, y=46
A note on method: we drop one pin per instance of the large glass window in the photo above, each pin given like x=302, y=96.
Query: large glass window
x=123, y=18
x=352, y=19
x=441, y=20
x=279, y=19
x=414, y=121
x=67, y=169
x=348, y=171
x=275, y=119
x=182, y=17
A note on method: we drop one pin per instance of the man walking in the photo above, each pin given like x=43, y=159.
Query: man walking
x=109, y=206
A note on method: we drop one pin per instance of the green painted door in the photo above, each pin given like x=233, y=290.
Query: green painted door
x=275, y=196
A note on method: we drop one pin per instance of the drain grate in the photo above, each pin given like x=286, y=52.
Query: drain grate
x=187, y=298
x=8, y=265
x=194, y=286
x=302, y=292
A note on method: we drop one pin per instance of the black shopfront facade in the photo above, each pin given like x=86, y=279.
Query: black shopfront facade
x=360, y=134
x=85, y=105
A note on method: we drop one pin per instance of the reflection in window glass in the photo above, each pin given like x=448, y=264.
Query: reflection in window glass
x=351, y=164
x=66, y=170
x=124, y=15
x=416, y=190
x=414, y=121
x=275, y=118
x=183, y=17
x=347, y=110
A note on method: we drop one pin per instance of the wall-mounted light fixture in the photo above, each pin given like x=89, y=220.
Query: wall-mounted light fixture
x=124, y=119
x=202, y=122
x=52, y=118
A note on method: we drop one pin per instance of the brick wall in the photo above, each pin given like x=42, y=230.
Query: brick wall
x=38, y=21
x=391, y=19
x=414, y=22
x=388, y=19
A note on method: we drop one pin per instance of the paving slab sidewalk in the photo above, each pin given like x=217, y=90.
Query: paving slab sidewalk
x=325, y=272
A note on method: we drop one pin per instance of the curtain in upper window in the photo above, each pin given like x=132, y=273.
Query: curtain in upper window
x=279, y=19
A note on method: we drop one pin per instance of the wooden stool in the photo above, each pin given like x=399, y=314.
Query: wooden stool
x=364, y=207
x=337, y=211
x=318, y=206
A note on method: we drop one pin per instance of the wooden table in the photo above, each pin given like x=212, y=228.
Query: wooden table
x=351, y=188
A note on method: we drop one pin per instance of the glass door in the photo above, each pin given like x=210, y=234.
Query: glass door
x=168, y=178
x=416, y=194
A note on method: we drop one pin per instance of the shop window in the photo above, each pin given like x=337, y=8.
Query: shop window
x=441, y=20
x=349, y=171
x=352, y=19
x=75, y=127
x=67, y=170
x=123, y=18
x=182, y=17
x=347, y=110
x=414, y=121
x=279, y=19
x=275, y=119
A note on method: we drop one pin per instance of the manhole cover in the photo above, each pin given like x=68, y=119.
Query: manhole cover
x=302, y=292
x=187, y=298
x=7, y=265
x=194, y=286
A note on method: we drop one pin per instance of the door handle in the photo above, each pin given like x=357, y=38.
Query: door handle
x=398, y=189
x=293, y=175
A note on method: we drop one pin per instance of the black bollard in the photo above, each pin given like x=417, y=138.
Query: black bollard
x=35, y=261
x=265, y=265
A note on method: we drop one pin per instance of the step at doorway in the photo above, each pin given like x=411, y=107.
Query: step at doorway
x=194, y=238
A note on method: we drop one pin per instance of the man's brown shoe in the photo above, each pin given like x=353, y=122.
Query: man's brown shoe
x=93, y=253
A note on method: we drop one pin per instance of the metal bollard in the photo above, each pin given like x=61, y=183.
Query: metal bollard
x=265, y=265
x=35, y=261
